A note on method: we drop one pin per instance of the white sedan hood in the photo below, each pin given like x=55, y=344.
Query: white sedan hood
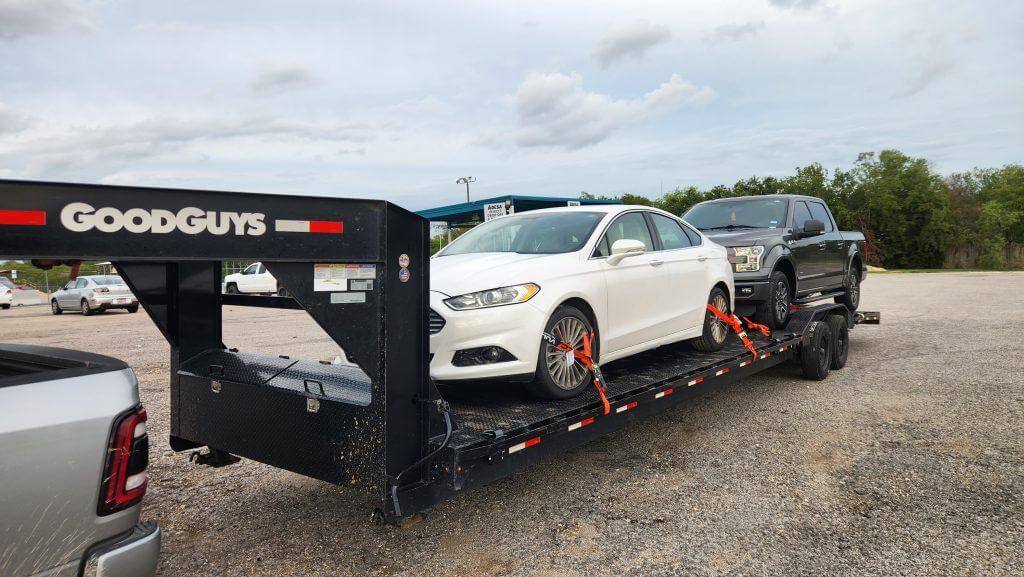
x=465, y=273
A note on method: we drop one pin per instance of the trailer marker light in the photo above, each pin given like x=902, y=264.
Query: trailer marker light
x=721, y=372
x=696, y=381
x=524, y=445
x=581, y=424
x=626, y=407
x=313, y=226
x=662, y=393
x=23, y=217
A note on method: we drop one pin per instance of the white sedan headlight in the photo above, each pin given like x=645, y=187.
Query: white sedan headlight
x=494, y=297
x=746, y=258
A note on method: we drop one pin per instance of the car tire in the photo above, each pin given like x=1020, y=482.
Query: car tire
x=840, y=340
x=55, y=308
x=133, y=309
x=816, y=351
x=774, y=313
x=5, y=307
x=851, y=284
x=84, y=307
x=282, y=292
x=231, y=289
x=715, y=330
x=555, y=379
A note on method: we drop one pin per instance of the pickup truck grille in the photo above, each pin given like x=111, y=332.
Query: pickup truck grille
x=436, y=322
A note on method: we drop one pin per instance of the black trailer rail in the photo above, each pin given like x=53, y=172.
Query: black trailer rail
x=360, y=269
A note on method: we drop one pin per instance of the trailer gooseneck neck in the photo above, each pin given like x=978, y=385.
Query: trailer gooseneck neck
x=360, y=269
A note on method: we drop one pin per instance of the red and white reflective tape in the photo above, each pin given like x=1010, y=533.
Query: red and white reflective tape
x=314, y=226
x=581, y=424
x=626, y=407
x=765, y=355
x=524, y=445
x=721, y=372
x=696, y=381
x=23, y=217
x=784, y=348
x=744, y=363
x=661, y=394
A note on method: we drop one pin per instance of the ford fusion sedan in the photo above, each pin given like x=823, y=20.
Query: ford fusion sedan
x=635, y=277
x=91, y=294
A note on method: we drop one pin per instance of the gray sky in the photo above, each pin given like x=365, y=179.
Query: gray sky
x=396, y=100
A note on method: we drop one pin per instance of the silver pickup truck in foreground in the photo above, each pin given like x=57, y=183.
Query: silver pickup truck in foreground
x=73, y=459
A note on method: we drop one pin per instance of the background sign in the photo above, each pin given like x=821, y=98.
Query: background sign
x=494, y=210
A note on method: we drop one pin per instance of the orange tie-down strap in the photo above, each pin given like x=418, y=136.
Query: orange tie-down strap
x=737, y=328
x=584, y=358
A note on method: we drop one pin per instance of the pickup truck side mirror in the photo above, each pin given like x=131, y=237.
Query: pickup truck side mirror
x=812, y=227
x=625, y=247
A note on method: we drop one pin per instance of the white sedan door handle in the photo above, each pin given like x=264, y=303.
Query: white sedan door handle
x=702, y=258
x=657, y=262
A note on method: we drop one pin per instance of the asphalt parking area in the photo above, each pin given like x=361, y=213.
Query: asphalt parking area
x=908, y=461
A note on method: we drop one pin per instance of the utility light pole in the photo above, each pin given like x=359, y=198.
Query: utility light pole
x=466, y=180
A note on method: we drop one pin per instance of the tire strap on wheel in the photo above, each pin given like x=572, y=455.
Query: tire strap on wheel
x=737, y=327
x=585, y=359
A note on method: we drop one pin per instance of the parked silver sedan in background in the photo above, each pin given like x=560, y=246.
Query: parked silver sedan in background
x=90, y=294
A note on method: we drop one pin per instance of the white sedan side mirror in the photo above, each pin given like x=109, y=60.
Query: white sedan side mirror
x=625, y=247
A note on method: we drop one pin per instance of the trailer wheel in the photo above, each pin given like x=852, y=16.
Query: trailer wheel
x=816, y=352
x=840, y=340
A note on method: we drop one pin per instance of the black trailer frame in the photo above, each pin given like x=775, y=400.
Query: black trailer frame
x=360, y=269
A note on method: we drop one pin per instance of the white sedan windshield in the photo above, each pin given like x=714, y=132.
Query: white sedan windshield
x=539, y=233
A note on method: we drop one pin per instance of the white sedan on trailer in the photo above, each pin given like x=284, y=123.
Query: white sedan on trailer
x=634, y=276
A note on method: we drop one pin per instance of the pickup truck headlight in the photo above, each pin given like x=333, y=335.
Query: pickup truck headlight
x=746, y=258
x=493, y=297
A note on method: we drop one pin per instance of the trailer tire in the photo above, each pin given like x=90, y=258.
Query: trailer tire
x=55, y=308
x=816, y=351
x=545, y=384
x=707, y=342
x=840, y=340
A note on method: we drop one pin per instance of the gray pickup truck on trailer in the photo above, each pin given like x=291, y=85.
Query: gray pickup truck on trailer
x=73, y=459
x=786, y=250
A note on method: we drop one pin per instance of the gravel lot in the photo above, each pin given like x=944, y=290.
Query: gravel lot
x=908, y=462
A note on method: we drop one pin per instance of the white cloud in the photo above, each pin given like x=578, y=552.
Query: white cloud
x=283, y=79
x=555, y=110
x=797, y=4
x=730, y=32
x=630, y=41
x=11, y=121
x=21, y=18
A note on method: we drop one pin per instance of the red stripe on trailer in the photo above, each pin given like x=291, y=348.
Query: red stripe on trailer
x=721, y=372
x=524, y=445
x=581, y=424
x=696, y=381
x=23, y=217
x=663, y=393
x=326, y=226
x=765, y=355
x=744, y=363
x=626, y=407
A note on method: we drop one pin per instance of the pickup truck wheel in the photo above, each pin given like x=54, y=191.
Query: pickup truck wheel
x=86, y=311
x=851, y=298
x=557, y=379
x=775, y=311
x=840, y=340
x=715, y=330
x=231, y=289
x=816, y=351
x=55, y=308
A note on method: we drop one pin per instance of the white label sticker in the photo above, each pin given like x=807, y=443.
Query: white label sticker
x=334, y=277
x=360, y=284
x=570, y=358
x=347, y=298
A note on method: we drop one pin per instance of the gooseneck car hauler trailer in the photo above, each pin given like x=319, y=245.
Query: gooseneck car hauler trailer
x=360, y=269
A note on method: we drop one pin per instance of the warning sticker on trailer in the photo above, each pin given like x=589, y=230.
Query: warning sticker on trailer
x=334, y=277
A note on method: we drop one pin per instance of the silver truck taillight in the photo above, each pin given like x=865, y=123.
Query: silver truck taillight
x=125, y=478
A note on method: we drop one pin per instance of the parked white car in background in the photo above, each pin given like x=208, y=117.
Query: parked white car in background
x=253, y=279
x=90, y=294
x=6, y=297
x=635, y=276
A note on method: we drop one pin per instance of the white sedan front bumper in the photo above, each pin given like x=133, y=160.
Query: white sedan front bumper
x=516, y=328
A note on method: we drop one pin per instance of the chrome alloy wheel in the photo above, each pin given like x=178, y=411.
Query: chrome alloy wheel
x=853, y=288
x=718, y=328
x=566, y=374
